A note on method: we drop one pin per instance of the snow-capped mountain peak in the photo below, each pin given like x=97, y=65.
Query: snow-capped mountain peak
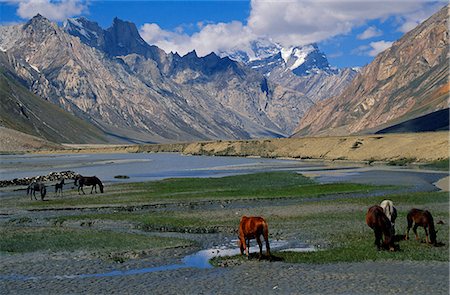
x=296, y=56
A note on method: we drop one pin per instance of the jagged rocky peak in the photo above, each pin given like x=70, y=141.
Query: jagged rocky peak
x=40, y=26
x=88, y=31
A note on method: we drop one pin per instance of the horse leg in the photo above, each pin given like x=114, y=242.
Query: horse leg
x=426, y=235
x=82, y=190
x=248, y=249
x=378, y=236
x=266, y=239
x=258, y=240
x=410, y=223
x=415, y=231
x=242, y=245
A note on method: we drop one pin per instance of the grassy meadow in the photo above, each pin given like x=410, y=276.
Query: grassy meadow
x=330, y=217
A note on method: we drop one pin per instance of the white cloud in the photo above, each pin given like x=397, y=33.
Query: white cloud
x=379, y=46
x=291, y=23
x=53, y=10
x=373, y=48
x=409, y=21
x=211, y=37
x=370, y=32
x=295, y=22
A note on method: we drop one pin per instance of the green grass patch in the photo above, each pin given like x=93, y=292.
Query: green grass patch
x=417, y=199
x=251, y=186
x=438, y=165
x=343, y=236
x=401, y=162
x=20, y=240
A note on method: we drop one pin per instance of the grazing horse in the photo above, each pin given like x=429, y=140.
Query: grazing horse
x=391, y=212
x=381, y=225
x=36, y=187
x=88, y=180
x=59, y=187
x=253, y=228
x=421, y=218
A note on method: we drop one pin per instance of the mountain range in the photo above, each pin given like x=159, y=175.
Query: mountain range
x=121, y=89
x=135, y=92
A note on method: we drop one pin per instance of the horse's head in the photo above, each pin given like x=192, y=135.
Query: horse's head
x=241, y=246
x=433, y=236
x=101, y=187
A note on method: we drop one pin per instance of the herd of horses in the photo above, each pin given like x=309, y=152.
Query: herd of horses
x=79, y=181
x=380, y=218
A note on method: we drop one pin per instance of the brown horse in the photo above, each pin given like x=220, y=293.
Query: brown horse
x=253, y=228
x=381, y=225
x=421, y=218
x=88, y=180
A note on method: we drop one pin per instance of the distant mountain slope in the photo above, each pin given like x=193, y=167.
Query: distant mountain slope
x=24, y=111
x=14, y=141
x=436, y=121
x=407, y=80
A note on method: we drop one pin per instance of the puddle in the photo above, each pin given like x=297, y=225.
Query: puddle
x=199, y=260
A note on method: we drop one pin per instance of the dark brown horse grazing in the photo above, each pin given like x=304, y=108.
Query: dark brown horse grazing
x=88, y=180
x=381, y=225
x=36, y=186
x=253, y=228
x=421, y=218
x=59, y=187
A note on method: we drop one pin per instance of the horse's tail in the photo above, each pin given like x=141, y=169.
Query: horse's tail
x=266, y=236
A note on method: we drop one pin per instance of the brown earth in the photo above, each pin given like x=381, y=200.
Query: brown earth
x=419, y=147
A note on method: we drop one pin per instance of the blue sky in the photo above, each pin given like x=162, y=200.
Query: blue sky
x=349, y=32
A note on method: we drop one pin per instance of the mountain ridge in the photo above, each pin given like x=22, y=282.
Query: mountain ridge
x=402, y=81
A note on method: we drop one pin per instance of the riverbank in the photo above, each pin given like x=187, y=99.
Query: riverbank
x=410, y=147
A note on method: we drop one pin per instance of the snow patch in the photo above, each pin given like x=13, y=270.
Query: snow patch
x=35, y=68
x=286, y=53
x=301, y=54
x=79, y=27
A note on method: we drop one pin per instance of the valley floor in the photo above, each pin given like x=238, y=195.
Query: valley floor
x=64, y=245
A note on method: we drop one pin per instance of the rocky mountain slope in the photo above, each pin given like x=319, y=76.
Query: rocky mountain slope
x=24, y=111
x=407, y=80
x=135, y=92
